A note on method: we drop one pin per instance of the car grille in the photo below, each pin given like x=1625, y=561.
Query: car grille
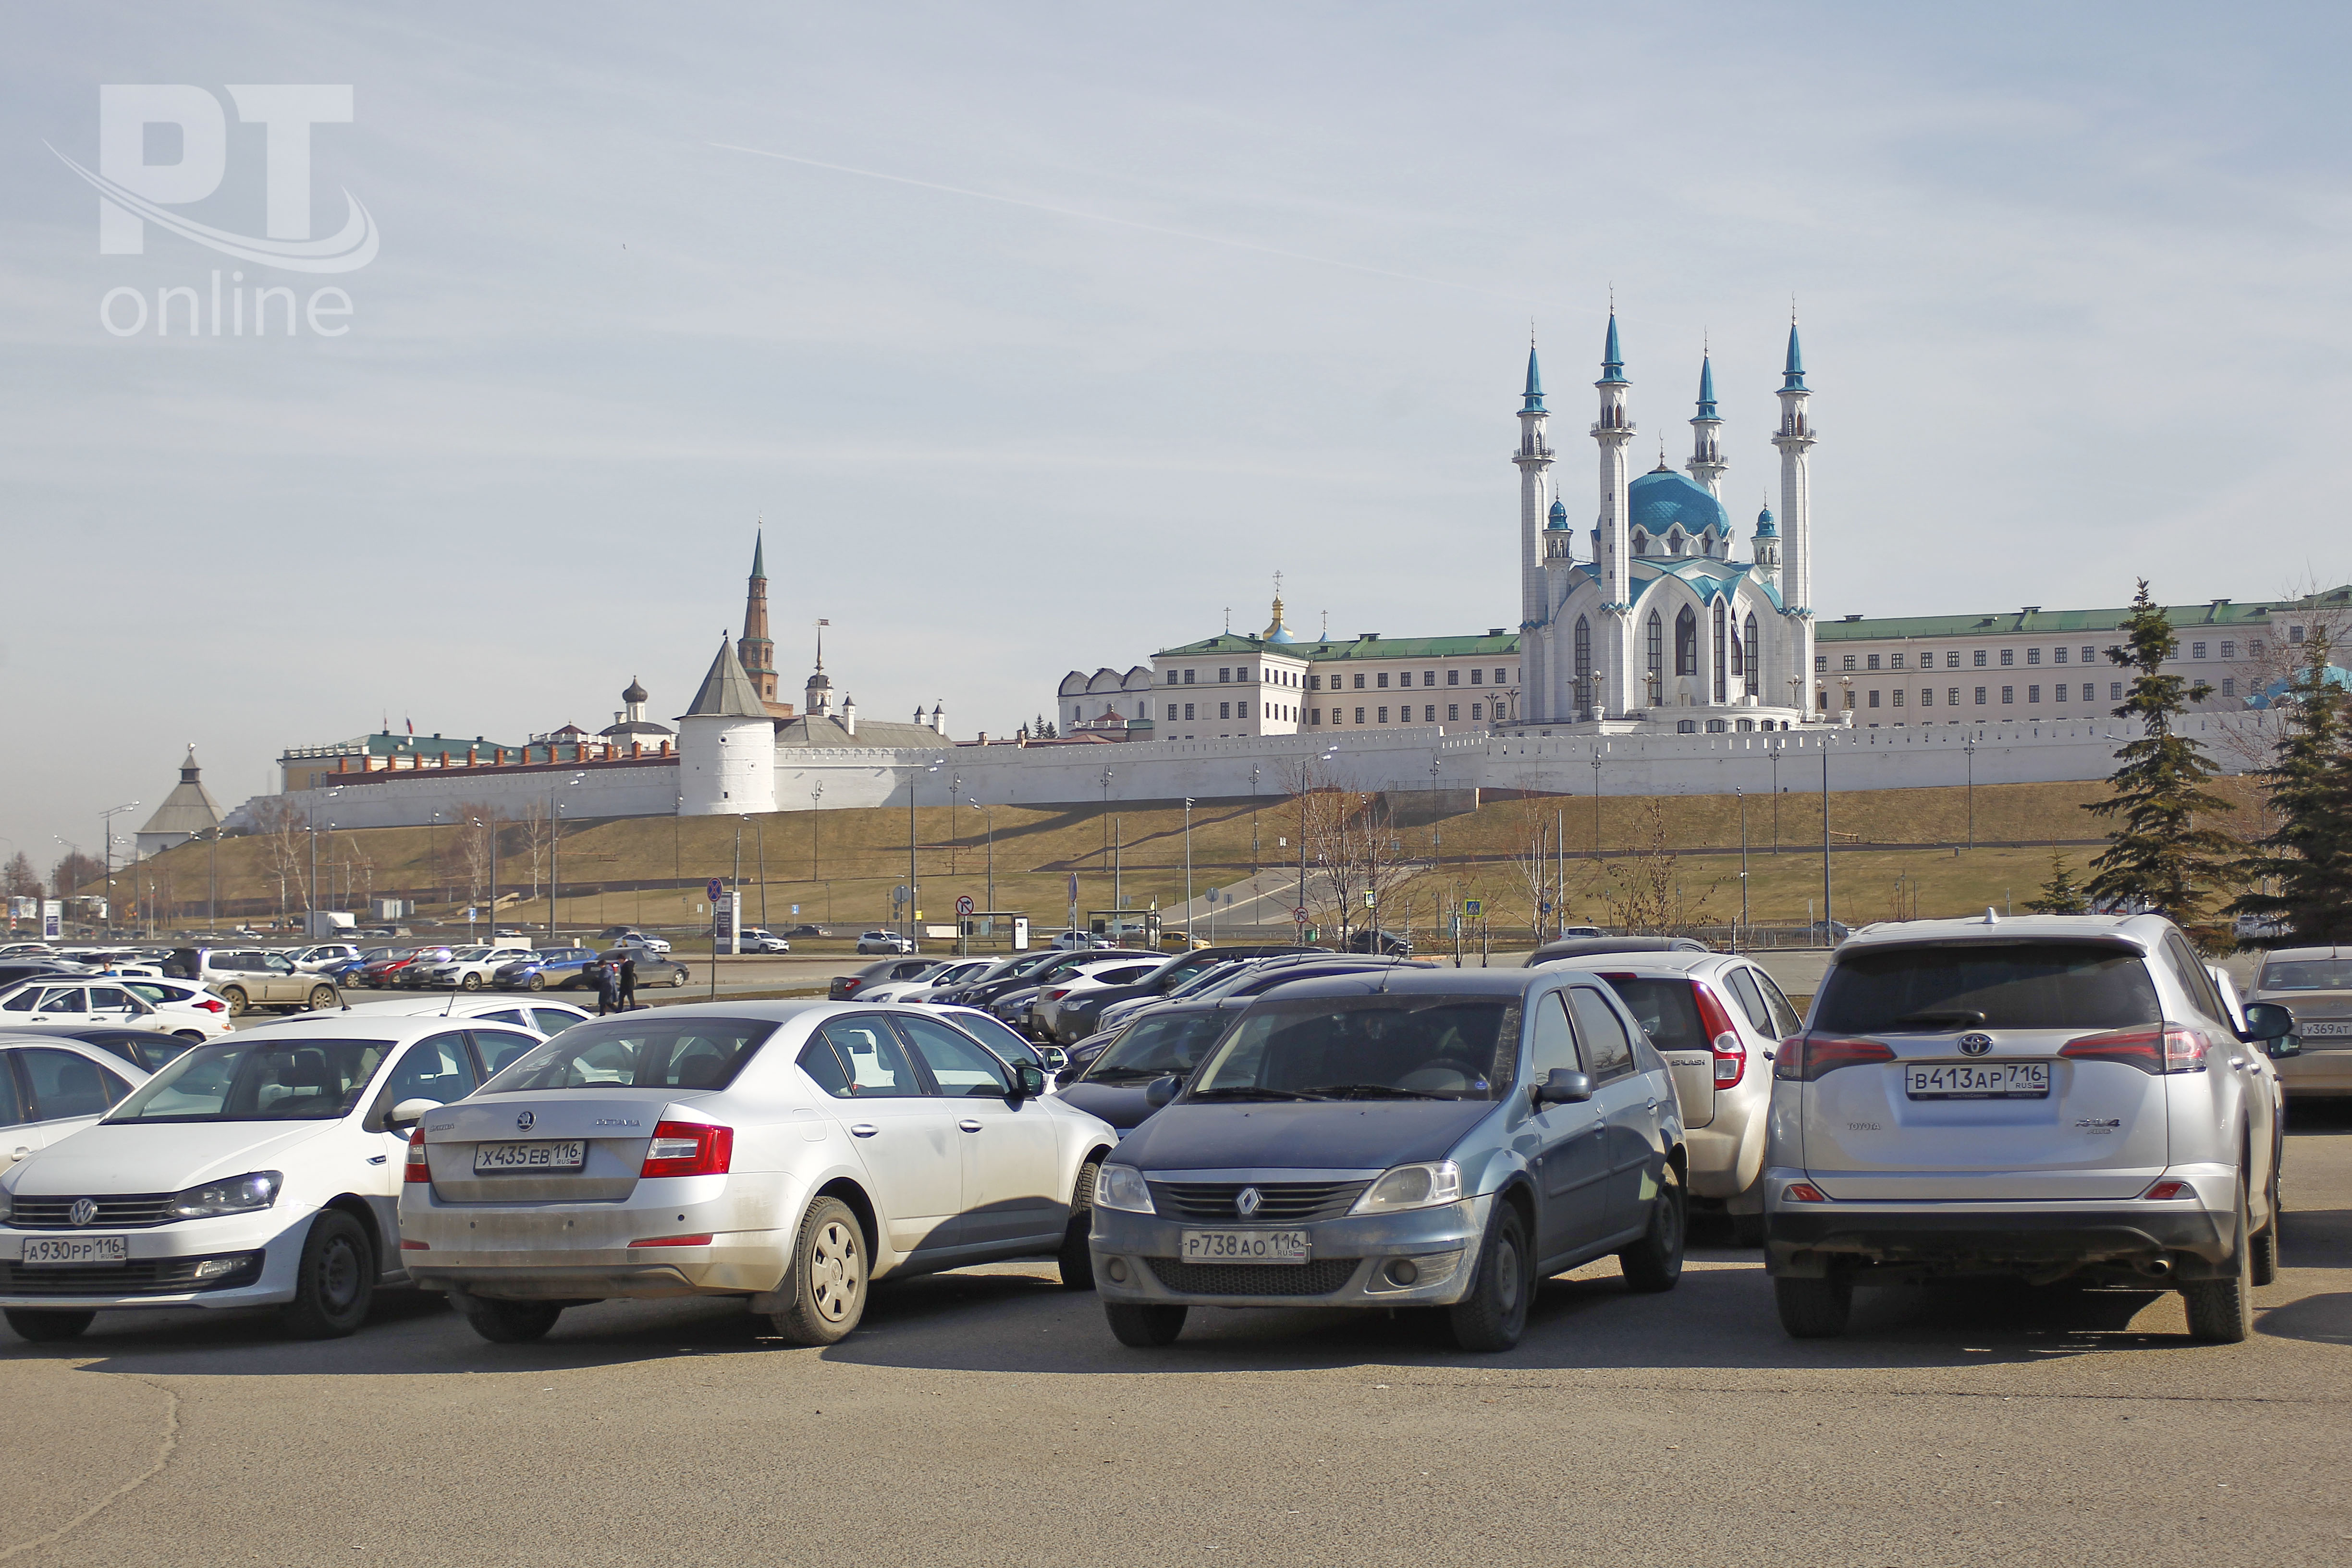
x=146, y=1277
x=122, y=1212
x=1318, y=1277
x=1279, y=1202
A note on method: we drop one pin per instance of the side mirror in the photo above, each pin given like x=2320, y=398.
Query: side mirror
x=1563, y=1087
x=408, y=1113
x=2267, y=1021
x=1028, y=1081
x=1056, y=1059
x=1160, y=1090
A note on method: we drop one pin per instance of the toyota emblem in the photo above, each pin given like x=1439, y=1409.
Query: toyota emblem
x=84, y=1210
x=1245, y=1203
x=1975, y=1045
x=522, y=1122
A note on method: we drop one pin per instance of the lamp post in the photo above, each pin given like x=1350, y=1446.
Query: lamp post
x=759, y=846
x=1829, y=919
x=310, y=898
x=555, y=847
x=1596, y=810
x=1776, y=796
x=1970, y=747
x=988, y=815
x=1253, y=773
x=913, y=882
x=816, y=793
x=1105, y=831
x=1188, y=870
x=491, y=829
x=106, y=819
x=1741, y=796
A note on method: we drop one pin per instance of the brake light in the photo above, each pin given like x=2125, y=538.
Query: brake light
x=1805, y=1058
x=689, y=1149
x=416, y=1170
x=1057, y=995
x=408, y=1246
x=2163, y=1192
x=851, y=984
x=210, y=1006
x=1803, y=1193
x=702, y=1240
x=2150, y=1047
x=1723, y=1039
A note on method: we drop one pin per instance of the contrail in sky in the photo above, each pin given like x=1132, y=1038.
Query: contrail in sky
x=1121, y=222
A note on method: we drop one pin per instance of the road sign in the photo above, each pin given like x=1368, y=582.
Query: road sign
x=964, y=905
x=1299, y=914
x=1073, y=887
x=1474, y=908
x=713, y=889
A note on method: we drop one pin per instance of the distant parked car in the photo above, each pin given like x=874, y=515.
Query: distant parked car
x=653, y=969
x=640, y=939
x=2315, y=984
x=245, y=978
x=805, y=930
x=756, y=939
x=1381, y=943
x=846, y=986
x=1584, y=946
x=883, y=942
x=555, y=966
x=323, y=955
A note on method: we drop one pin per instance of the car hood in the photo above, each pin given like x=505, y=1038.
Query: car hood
x=159, y=1157
x=1350, y=1135
x=1120, y=1104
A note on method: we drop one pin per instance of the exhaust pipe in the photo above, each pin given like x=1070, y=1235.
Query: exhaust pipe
x=2154, y=1268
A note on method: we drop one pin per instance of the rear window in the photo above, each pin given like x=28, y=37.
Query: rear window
x=1666, y=1010
x=2306, y=975
x=639, y=1053
x=1987, y=986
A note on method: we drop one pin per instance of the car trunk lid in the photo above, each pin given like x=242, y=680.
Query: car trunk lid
x=612, y=1126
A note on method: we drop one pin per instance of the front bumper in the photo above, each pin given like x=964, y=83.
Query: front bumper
x=263, y=1252
x=581, y=1251
x=1346, y=1263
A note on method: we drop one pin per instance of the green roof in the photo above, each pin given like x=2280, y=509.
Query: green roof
x=2214, y=612
x=1373, y=647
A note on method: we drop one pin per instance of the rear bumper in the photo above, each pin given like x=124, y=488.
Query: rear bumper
x=2315, y=1074
x=2152, y=1241
x=581, y=1251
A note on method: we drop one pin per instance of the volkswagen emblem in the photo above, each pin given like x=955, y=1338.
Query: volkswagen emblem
x=84, y=1210
x=522, y=1122
x=1975, y=1045
x=1244, y=1204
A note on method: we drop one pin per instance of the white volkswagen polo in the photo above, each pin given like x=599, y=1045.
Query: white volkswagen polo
x=260, y=1171
x=784, y=1152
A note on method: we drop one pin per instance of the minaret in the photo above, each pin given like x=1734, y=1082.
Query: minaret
x=1706, y=464
x=756, y=652
x=1534, y=461
x=1613, y=430
x=1765, y=549
x=1795, y=440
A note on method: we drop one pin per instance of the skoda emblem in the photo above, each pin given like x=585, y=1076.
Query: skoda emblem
x=1245, y=1203
x=1975, y=1045
x=522, y=1122
x=85, y=1210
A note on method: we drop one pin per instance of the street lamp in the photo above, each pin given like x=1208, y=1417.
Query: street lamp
x=1970, y=747
x=555, y=847
x=491, y=829
x=1741, y=796
x=1188, y=870
x=816, y=793
x=913, y=882
x=1253, y=773
x=107, y=818
x=1776, y=796
x=310, y=898
x=988, y=815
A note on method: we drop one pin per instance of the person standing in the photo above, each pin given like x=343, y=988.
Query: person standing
x=601, y=972
x=628, y=981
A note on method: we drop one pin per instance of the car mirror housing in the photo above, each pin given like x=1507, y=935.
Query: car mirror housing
x=408, y=1113
x=1029, y=1080
x=2267, y=1021
x=1160, y=1090
x=1056, y=1059
x=1564, y=1087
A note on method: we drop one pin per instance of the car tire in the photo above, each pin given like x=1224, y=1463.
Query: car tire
x=2264, y=1266
x=536, y=982
x=236, y=998
x=510, y=1323
x=1495, y=1313
x=1813, y=1308
x=1655, y=1263
x=1077, y=1258
x=2221, y=1312
x=472, y=982
x=829, y=1276
x=1142, y=1326
x=678, y=979
x=335, y=1284
x=322, y=998
x=47, y=1325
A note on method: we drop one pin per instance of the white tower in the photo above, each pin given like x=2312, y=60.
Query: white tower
x=1706, y=464
x=1534, y=461
x=726, y=743
x=1765, y=551
x=1613, y=429
x=1795, y=440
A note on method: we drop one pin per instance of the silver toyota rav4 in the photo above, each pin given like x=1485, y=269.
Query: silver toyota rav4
x=2044, y=1097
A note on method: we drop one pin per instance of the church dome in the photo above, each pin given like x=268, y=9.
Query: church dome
x=1662, y=498
x=633, y=692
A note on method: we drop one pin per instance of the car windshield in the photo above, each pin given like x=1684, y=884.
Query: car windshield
x=1200, y=983
x=1666, y=1009
x=1156, y=1048
x=1367, y=1048
x=258, y=1080
x=642, y=1052
x=1987, y=986
x=2306, y=975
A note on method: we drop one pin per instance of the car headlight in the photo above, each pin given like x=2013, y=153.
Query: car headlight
x=1123, y=1187
x=239, y=1194
x=1412, y=1187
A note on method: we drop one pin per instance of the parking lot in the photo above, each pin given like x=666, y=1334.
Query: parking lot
x=988, y=1416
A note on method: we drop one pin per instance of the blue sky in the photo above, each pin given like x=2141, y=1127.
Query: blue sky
x=1242, y=288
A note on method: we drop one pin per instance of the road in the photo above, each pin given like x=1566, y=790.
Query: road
x=988, y=1417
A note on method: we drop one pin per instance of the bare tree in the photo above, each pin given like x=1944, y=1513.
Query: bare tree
x=21, y=881
x=283, y=831
x=477, y=823
x=73, y=869
x=1642, y=891
x=538, y=834
x=1536, y=857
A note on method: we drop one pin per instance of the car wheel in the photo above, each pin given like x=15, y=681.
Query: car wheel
x=335, y=1284
x=2221, y=1312
x=2264, y=1266
x=829, y=1276
x=1813, y=1308
x=536, y=982
x=1494, y=1312
x=511, y=1323
x=322, y=998
x=1141, y=1326
x=1077, y=1258
x=47, y=1326
x=236, y=998
x=1655, y=1262
x=677, y=979
x=472, y=982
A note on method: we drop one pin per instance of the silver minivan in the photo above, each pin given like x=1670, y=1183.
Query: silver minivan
x=2046, y=1097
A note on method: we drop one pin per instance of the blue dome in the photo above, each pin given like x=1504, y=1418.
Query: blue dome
x=1764, y=525
x=1661, y=499
x=1559, y=514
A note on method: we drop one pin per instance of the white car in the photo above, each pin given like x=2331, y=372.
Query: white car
x=466, y=968
x=883, y=942
x=543, y=1016
x=757, y=940
x=51, y=1088
x=310, y=960
x=54, y=1000
x=181, y=1007
x=919, y=988
x=784, y=1152
x=639, y=939
x=262, y=1170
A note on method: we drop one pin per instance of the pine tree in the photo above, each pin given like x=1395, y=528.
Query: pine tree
x=2308, y=857
x=2158, y=855
x=2062, y=894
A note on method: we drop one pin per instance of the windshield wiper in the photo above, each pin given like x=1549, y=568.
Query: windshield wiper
x=1251, y=1091
x=1365, y=1091
x=1959, y=1018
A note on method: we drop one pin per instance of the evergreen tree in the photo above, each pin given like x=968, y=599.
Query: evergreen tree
x=2158, y=854
x=2062, y=894
x=2308, y=857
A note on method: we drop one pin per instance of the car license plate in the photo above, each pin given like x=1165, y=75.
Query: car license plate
x=49, y=1250
x=1977, y=1080
x=2324, y=1029
x=508, y=1159
x=1244, y=1246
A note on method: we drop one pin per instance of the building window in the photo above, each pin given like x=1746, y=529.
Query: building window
x=1897, y=663
x=1384, y=715
x=1980, y=659
x=1225, y=710
x=1898, y=696
x=2033, y=694
x=1381, y=680
x=1926, y=697
x=1872, y=661
x=2089, y=654
x=1716, y=727
x=1952, y=697
x=2228, y=686
x=1314, y=683
x=1755, y=676
x=1846, y=663
x=1685, y=726
x=2293, y=635
x=1360, y=683
x=2229, y=650
x=1849, y=700
x=1452, y=678
x=1429, y=712
x=1452, y=712
x=2008, y=657
x=1498, y=678
x=1952, y=659
x=1188, y=678
x=1359, y=715
x=1980, y=696
x=2253, y=649
x=2058, y=694
x=1474, y=680
x=1583, y=667
x=2197, y=650
x=1656, y=652
x=1874, y=699
x=2009, y=694
x=2114, y=691
x=1188, y=711
x=1821, y=664
x=1429, y=677
x=1687, y=641
x=2033, y=656
x=1315, y=715
x=2058, y=656
x=1722, y=690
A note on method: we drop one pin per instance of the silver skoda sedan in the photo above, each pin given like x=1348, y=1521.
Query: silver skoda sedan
x=790, y=1153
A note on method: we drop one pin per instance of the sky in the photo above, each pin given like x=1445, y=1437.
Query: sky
x=1040, y=336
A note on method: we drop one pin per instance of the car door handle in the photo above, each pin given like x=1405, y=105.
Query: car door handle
x=863, y=1130
x=969, y=1125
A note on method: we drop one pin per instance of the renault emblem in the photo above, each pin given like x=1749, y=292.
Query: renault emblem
x=1245, y=1203
x=85, y=1210
x=1975, y=1045
x=522, y=1122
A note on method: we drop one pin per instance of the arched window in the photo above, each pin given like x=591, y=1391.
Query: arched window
x=1754, y=675
x=1722, y=693
x=1686, y=642
x=1738, y=649
x=1583, y=667
x=1657, y=653
x=1674, y=543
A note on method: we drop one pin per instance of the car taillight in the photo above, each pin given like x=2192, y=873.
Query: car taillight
x=1803, y=1193
x=1806, y=1057
x=850, y=985
x=2163, y=1192
x=689, y=1149
x=1723, y=1039
x=417, y=1170
x=2150, y=1047
x=1057, y=995
x=210, y=1006
x=701, y=1240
